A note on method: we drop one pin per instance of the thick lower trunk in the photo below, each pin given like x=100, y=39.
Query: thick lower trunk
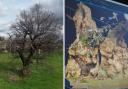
x=26, y=70
x=26, y=61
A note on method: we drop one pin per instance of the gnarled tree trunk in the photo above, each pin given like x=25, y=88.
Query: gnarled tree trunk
x=26, y=61
x=26, y=70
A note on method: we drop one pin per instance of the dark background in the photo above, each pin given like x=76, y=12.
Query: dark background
x=122, y=1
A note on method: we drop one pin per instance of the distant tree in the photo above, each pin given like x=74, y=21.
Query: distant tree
x=32, y=29
x=2, y=38
x=9, y=45
x=2, y=44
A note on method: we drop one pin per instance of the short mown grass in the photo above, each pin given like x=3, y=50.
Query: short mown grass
x=47, y=74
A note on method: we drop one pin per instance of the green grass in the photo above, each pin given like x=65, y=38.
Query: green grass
x=48, y=74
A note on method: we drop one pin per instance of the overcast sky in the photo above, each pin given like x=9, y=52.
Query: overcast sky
x=9, y=9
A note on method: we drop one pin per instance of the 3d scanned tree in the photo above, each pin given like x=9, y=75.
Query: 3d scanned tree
x=33, y=28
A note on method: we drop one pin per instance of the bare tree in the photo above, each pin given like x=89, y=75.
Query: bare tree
x=31, y=30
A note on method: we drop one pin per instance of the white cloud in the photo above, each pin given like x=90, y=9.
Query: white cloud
x=3, y=9
x=114, y=16
x=126, y=16
x=5, y=24
x=54, y=5
x=4, y=35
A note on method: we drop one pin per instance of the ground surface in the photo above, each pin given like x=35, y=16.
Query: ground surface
x=102, y=84
x=48, y=74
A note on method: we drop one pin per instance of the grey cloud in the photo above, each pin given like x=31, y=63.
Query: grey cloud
x=54, y=5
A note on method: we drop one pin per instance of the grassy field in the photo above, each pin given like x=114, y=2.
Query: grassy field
x=48, y=74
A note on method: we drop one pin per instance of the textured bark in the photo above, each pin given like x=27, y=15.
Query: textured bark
x=26, y=70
